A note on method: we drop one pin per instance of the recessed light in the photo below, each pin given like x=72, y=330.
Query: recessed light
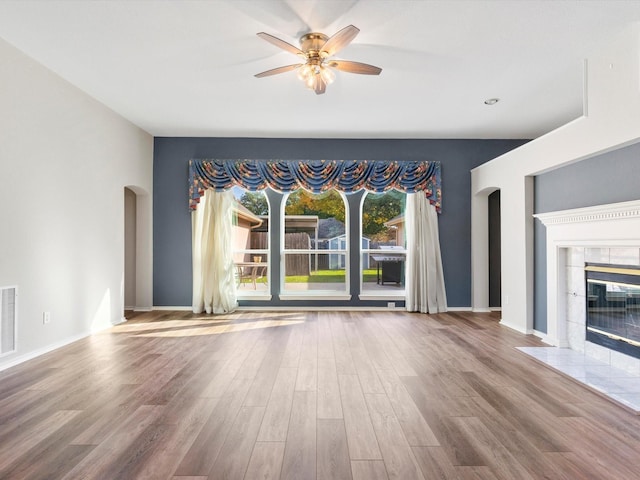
x=491, y=101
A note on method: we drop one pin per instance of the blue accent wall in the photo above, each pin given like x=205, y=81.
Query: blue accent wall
x=172, y=220
x=608, y=178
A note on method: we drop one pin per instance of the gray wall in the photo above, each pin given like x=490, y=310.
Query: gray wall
x=607, y=178
x=172, y=221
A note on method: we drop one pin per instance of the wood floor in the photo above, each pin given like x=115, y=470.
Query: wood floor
x=326, y=395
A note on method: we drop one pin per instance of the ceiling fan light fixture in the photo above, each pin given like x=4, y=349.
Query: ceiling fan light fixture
x=327, y=75
x=311, y=82
x=317, y=71
x=304, y=72
x=311, y=74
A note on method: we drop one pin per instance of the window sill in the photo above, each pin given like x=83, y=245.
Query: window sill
x=382, y=296
x=258, y=297
x=315, y=296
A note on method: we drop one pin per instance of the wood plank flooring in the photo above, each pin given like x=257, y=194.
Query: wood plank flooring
x=307, y=395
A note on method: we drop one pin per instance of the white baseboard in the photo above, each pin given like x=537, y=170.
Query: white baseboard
x=181, y=308
x=320, y=309
x=515, y=327
x=544, y=337
x=294, y=308
x=341, y=309
x=41, y=351
x=54, y=346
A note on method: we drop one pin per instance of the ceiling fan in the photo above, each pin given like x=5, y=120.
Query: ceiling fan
x=315, y=49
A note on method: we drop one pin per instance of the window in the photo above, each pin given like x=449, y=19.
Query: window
x=383, y=244
x=315, y=244
x=251, y=243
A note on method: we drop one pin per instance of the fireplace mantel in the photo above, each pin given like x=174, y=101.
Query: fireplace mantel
x=613, y=211
x=611, y=225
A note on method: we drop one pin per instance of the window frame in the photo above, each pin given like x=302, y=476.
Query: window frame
x=249, y=293
x=289, y=294
x=378, y=294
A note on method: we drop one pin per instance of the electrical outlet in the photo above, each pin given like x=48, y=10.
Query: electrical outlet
x=391, y=304
x=46, y=317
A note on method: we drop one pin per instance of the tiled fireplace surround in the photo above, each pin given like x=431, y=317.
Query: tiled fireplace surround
x=576, y=301
x=602, y=234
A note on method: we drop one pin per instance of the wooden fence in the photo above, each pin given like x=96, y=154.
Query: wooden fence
x=297, y=264
x=301, y=264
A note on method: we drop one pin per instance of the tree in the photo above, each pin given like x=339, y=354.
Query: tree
x=379, y=208
x=328, y=204
x=255, y=202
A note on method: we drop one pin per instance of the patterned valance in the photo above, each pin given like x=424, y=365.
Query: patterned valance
x=315, y=176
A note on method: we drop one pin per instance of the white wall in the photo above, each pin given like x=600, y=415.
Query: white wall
x=64, y=162
x=611, y=120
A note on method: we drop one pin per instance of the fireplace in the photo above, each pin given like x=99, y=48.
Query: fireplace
x=602, y=234
x=613, y=307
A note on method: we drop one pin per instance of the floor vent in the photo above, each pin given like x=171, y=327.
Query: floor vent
x=8, y=304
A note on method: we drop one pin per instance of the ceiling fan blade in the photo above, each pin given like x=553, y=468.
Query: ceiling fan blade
x=340, y=40
x=280, y=43
x=355, y=67
x=320, y=85
x=275, y=71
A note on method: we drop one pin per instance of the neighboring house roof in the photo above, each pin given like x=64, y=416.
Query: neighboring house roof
x=330, y=228
x=301, y=223
x=293, y=223
x=398, y=220
x=327, y=227
x=245, y=213
x=367, y=239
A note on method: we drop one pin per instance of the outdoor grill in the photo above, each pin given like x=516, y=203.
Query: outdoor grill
x=390, y=267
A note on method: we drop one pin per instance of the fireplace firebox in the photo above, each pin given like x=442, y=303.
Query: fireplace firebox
x=613, y=307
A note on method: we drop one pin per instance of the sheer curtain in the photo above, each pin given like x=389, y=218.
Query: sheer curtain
x=424, y=279
x=214, y=287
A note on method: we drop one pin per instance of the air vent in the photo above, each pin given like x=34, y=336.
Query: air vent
x=8, y=298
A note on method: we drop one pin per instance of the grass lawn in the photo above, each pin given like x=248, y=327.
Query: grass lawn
x=328, y=276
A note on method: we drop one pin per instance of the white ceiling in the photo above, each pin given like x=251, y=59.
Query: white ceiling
x=185, y=68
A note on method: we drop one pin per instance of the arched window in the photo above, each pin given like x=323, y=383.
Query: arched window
x=251, y=243
x=315, y=244
x=383, y=244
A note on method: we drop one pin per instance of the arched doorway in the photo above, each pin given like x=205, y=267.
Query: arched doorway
x=485, y=256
